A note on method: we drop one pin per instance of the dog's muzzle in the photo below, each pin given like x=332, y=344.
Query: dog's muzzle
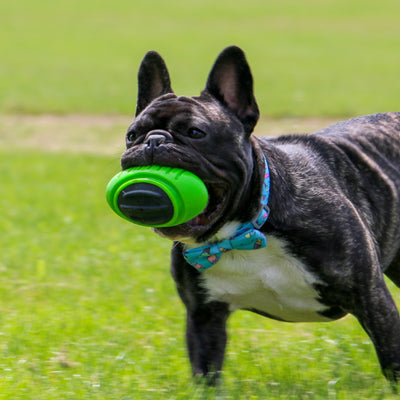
x=157, y=138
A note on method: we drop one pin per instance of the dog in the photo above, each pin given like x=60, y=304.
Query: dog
x=324, y=209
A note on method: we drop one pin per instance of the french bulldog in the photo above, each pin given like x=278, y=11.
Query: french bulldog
x=333, y=213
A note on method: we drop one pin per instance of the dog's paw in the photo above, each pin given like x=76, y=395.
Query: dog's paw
x=392, y=374
x=212, y=379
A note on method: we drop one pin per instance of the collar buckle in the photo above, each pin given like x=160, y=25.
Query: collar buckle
x=261, y=217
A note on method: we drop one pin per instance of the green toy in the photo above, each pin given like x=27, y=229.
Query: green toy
x=157, y=196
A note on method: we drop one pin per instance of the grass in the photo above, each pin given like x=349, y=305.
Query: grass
x=88, y=309
x=309, y=58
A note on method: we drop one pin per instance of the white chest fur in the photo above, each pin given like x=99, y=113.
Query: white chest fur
x=268, y=280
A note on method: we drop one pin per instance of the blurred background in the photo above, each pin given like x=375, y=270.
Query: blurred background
x=309, y=57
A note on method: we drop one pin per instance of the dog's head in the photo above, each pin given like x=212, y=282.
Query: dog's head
x=208, y=135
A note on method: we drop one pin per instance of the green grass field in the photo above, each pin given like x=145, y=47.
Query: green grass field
x=309, y=57
x=89, y=311
x=87, y=307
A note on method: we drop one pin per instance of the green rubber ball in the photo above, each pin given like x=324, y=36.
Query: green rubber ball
x=157, y=196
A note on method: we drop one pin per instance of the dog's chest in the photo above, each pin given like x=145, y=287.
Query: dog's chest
x=268, y=280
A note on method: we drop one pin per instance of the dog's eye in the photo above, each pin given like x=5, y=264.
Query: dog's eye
x=195, y=133
x=130, y=136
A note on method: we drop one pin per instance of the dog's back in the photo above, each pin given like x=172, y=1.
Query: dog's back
x=357, y=160
x=372, y=145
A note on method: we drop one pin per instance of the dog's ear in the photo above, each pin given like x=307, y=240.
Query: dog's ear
x=230, y=82
x=153, y=80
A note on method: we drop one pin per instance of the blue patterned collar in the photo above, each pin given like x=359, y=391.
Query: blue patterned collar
x=246, y=237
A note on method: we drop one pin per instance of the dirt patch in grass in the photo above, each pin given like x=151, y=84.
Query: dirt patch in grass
x=66, y=133
x=105, y=134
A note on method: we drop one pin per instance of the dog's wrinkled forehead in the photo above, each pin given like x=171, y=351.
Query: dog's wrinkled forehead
x=169, y=111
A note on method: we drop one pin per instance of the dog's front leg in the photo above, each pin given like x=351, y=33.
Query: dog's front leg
x=205, y=321
x=206, y=340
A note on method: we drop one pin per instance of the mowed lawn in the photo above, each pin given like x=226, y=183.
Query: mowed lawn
x=88, y=309
x=309, y=57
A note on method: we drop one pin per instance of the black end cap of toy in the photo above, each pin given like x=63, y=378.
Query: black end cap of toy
x=146, y=204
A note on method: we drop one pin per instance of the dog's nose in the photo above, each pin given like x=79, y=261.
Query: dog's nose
x=157, y=137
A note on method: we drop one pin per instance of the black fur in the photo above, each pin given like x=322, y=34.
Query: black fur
x=334, y=199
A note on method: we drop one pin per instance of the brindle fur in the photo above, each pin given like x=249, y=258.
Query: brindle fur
x=334, y=200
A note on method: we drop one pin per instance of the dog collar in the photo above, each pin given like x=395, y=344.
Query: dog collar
x=246, y=237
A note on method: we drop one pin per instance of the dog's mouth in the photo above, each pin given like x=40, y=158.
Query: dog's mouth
x=218, y=197
x=203, y=225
